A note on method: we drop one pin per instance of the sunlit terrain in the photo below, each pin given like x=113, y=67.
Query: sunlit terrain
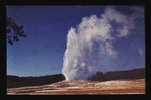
x=100, y=48
x=84, y=87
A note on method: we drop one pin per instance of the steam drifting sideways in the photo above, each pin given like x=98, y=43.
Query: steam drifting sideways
x=91, y=41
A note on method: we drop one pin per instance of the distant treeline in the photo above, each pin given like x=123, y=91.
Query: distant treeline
x=15, y=81
x=119, y=75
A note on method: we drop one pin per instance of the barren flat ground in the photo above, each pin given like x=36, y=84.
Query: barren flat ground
x=81, y=87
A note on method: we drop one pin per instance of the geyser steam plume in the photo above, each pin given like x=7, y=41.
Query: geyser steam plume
x=91, y=39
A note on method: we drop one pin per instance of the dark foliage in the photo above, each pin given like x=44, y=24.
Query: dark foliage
x=15, y=81
x=98, y=76
x=119, y=75
x=13, y=31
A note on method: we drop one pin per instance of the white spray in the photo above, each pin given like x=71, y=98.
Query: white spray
x=91, y=39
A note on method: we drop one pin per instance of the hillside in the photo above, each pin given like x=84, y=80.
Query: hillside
x=119, y=75
x=15, y=81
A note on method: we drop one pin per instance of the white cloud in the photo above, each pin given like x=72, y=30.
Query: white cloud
x=92, y=26
x=109, y=49
x=123, y=31
x=112, y=14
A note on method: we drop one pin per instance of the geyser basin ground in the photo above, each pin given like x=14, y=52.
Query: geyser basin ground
x=78, y=87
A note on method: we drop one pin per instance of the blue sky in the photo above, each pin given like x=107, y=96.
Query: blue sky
x=42, y=51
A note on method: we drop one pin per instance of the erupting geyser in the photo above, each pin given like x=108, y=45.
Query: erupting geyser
x=91, y=40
